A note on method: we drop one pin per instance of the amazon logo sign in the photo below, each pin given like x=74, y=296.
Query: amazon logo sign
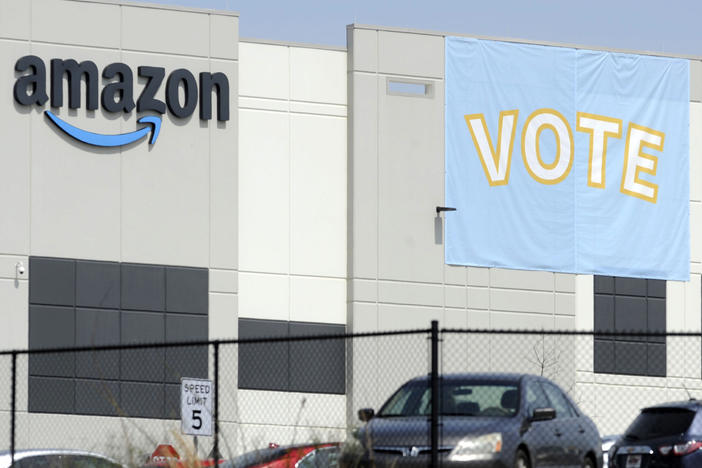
x=118, y=95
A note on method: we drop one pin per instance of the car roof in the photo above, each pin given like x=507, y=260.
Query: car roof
x=691, y=404
x=493, y=376
x=5, y=455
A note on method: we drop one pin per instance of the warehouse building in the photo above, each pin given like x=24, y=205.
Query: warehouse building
x=286, y=189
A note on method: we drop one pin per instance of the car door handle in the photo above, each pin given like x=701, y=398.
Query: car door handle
x=581, y=430
x=557, y=433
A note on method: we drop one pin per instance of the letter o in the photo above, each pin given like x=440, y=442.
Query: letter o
x=558, y=170
x=190, y=87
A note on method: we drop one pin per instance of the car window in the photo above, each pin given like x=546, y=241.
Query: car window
x=558, y=401
x=535, y=397
x=64, y=461
x=660, y=422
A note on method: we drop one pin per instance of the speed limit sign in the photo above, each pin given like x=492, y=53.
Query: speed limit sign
x=196, y=406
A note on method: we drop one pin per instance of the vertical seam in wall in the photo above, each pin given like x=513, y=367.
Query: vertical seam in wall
x=31, y=150
x=290, y=190
x=209, y=165
x=377, y=185
x=121, y=171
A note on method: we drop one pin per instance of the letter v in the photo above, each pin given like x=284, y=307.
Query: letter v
x=495, y=164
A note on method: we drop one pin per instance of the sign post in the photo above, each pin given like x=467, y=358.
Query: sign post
x=196, y=397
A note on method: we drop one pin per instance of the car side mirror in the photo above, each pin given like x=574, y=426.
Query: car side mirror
x=543, y=414
x=366, y=414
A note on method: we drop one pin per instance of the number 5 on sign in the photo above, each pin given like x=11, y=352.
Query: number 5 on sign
x=196, y=406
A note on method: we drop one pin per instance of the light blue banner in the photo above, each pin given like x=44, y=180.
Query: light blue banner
x=567, y=160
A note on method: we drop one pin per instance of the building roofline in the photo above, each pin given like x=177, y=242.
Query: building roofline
x=522, y=41
x=159, y=6
x=304, y=45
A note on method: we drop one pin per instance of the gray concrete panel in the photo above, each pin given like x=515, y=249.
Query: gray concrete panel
x=263, y=366
x=51, y=327
x=317, y=366
x=187, y=290
x=98, y=397
x=52, y=281
x=97, y=284
x=363, y=49
x=145, y=365
x=656, y=354
x=630, y=314
x=656, y=319
x=143, y=287
x=172, y=401
x=97, y=327
x=411, y=54
x=142, y=400
x=656, y=288
x=696, y=80
x=604, y=314
x=186, y=361
x=50, y=395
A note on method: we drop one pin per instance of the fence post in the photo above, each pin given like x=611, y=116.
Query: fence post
x=216, y=403
x=13, y=398
x=435, y=394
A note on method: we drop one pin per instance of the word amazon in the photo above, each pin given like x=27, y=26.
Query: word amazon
x=496, y=163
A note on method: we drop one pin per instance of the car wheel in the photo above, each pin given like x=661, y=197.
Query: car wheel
x=588, y=463
x=521, y=460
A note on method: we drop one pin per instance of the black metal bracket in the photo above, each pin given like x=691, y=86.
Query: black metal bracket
x=439, y=209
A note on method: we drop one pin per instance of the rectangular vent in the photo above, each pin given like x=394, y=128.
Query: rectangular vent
x=409, y=88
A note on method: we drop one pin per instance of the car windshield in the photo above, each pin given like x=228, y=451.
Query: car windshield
x=458, y=398
x=660, y=422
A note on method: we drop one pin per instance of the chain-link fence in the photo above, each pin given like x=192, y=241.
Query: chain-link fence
x=510, y=397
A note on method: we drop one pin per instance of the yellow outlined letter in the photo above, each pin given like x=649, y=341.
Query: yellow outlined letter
x=558, y=170
x=600, y=128
x=636, y=161
x=495, y=164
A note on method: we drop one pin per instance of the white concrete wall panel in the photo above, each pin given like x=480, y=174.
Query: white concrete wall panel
x=65, y=23
x=75, y=194
x=314, y=299
x=363, y=50
x=145, y=28
x=15, y=19
x=264, y=192
x=399, y=292
x=264, y=296
x=223, y=317
x=411, y=176
x=411, y=54
x=224, y=281
x=363, y=176
x=224, y=37
x=317, y=75
x=15, y=306
x=695, y=81
x=265, y=71
x=15, y=182
x=521, y=279
x=318, y=195
x=166, y=188
x=224, y=191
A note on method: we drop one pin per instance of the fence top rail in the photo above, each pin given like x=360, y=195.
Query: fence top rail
x=346, y=336
x=178, y=344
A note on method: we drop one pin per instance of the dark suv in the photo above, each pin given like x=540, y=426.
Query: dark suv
x=486, y=420
x=667, y=435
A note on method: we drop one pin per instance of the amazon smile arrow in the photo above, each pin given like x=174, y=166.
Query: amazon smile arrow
x=98, y=139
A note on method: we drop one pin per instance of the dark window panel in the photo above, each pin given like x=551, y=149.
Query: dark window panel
x=263, y=366
x=144, y=365
x=51, y=327
x=97, y=327
x=656, y=288
x=604, y=315
x=52, y=281
x=630, y=286
x=630, y=358
x=604, y=357
x=142, y=400
x=656, y=360
x=51, y=395
x=317, y=366
x=190, y=361
x=143, y=287
x=172, y=402
x=630, y=316
x=98, y=397
x=656, y=319
x=97, y=284
x=604, y=284
x=187, y=290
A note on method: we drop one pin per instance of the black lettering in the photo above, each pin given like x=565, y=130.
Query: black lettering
x=75, y=73
x=219, y=83
x=35, y=81
x=189, y=86
x=118, y=96
x=146, y=101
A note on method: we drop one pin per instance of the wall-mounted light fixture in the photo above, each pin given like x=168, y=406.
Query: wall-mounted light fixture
x=440, y=209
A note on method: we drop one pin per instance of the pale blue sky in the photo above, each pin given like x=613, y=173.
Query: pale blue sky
x=673, y=26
